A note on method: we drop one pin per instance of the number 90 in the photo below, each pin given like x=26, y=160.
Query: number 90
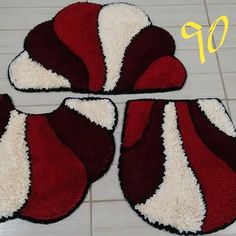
x=198, y=27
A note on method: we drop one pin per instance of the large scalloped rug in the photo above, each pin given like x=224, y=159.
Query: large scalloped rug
x=95, y=48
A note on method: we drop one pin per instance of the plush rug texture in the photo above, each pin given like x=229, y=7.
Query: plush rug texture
x=48, y=161
x=177, y=166
x=88, y=47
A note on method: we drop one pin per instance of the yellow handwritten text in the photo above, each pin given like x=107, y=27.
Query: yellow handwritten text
x=199, y=35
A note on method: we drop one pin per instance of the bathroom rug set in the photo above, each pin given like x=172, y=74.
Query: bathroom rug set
x=177, y=165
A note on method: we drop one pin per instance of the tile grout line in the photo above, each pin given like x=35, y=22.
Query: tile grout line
x=145, y=5
x=105, y=200
x=91, y=211
x=110, y=200
x=140, y=5
x=218, y=62
x=118, y=103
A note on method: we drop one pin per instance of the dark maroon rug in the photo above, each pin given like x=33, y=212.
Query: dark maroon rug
x=48, y=161
x=88, y=47
x=178, y=166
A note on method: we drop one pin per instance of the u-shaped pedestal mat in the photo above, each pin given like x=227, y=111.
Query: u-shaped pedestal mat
x=48, y=161
x=177, y=165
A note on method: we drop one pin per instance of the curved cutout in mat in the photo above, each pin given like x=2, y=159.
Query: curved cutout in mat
x=171, y=169
x=48, y=161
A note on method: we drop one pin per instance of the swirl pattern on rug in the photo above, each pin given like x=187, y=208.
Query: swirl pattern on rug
x=95, y=48
x=48, y=161
x=177, y=164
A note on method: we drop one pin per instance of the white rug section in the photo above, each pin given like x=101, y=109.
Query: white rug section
x=28, y=74
x=178, y=202
x=14, y=166
x=100, y=111
x=117, y=24
x=217, y=115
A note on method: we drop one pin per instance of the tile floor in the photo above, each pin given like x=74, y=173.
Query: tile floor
x=104, y=212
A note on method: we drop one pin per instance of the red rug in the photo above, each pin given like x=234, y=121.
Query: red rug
x=88, y=47
x=178, y=166
x=48, y=161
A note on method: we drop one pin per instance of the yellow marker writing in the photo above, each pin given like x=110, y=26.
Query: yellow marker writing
x=225, y=20
x=198, y=32
x=185, y=35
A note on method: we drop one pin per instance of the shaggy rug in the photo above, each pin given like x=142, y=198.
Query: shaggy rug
x=95, y=48
x=48, y=161
x=177, y=166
